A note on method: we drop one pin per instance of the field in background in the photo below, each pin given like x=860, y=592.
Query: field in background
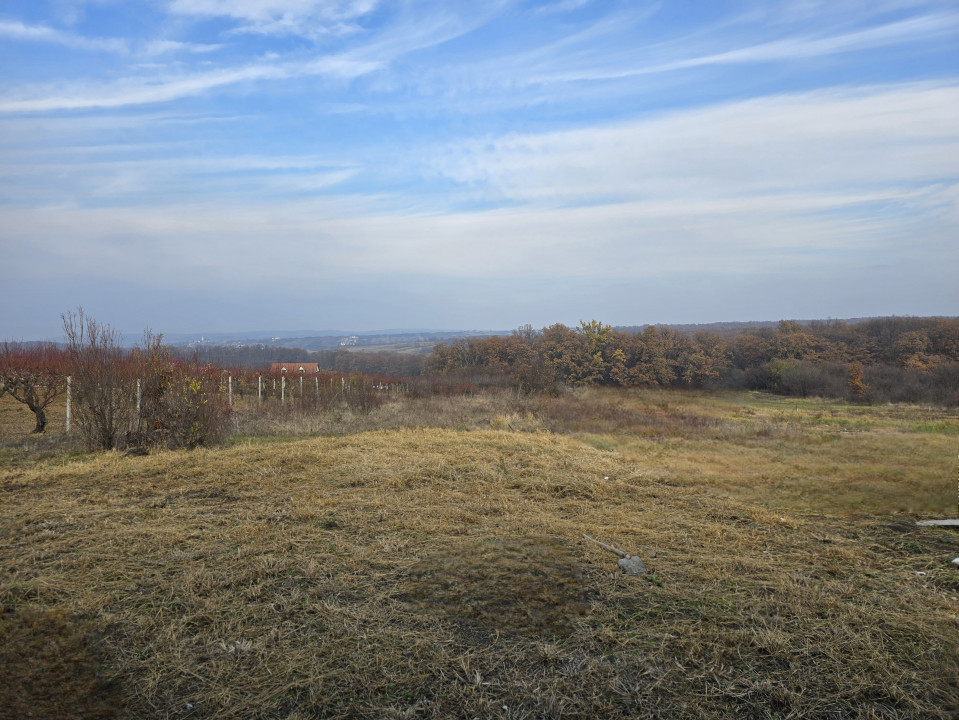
x=425, y=559
x=424, y=347
x=821, y=456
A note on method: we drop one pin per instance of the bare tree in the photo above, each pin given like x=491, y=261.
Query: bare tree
x=104, y=398
x=34, y=375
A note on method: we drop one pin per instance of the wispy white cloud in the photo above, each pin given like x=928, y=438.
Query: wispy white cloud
x=16, y=30
x=407, y=35
x=843, y=137
x=270, y=9
x=41, y=33
x=610, y=65
x=307, y=18
x=329, y=238
x=620, y=54
x=563, y=145
x=746, y=187
x=163, y=47
x=916, y=29
x=141, y=91
x=562, y=6
x=581, y=56
x=161, y=173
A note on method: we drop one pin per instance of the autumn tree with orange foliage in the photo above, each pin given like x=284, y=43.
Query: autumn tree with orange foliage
x=902, y=355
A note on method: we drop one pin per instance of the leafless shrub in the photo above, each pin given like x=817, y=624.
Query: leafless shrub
x=104, y=396
x=180, y=404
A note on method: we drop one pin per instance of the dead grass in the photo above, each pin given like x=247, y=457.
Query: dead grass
x=803, y=455
x=423, y=572
x=503, y=409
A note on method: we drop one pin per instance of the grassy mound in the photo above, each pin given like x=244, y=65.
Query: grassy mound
x=441, y=573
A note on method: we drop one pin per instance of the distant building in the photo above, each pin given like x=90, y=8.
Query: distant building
x=295, y=368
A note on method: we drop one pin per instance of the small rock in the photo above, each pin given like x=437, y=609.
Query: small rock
x=956, y=561
x=632, y=565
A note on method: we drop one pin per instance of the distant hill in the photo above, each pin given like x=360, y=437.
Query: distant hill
x=422, y=340
x=328, y=340
x=721, y=328
x=734, y=328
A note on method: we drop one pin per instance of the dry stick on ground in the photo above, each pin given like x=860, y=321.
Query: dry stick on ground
x=629, y=564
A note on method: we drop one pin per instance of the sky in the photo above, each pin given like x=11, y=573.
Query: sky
x=213, y=166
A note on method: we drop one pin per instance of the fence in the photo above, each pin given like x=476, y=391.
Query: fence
x=317, y=392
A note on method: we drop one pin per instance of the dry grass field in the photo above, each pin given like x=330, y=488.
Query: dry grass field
x=426, y=560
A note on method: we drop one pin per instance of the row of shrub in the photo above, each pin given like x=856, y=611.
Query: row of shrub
x=878, y=383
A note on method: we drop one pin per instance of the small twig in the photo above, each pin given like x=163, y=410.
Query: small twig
x=608, y=547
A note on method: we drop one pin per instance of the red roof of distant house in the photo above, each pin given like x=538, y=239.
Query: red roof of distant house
x=295, y=368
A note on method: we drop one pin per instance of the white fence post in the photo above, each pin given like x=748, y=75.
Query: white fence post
x=283, y=389
x=259, y=389
x=229, y=381
x=139, y=396
x=301, y=388
x=69, y=383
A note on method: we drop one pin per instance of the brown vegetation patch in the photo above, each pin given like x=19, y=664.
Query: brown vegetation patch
x=417, y=572
x=51, y=667
x=513, y=585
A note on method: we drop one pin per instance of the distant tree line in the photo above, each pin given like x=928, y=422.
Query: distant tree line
x=157, y=395
x=341, y=361
x=897, y=359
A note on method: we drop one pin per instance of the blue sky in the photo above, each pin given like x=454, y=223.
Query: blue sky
x=207, y=165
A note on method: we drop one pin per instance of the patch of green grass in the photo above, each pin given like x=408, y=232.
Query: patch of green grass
x=944, y=427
